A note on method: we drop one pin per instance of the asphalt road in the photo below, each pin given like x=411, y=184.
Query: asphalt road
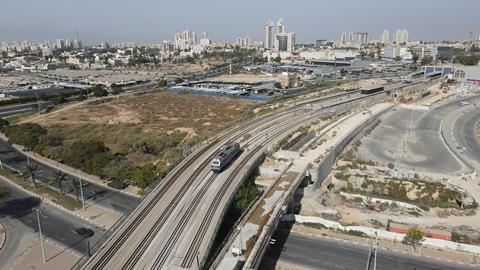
x=57, y=225
x=424, y=148
x=311, y=252
x=93, y=193
x=464, y=131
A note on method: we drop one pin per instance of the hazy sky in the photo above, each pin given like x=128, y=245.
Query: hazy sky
x=157, y=20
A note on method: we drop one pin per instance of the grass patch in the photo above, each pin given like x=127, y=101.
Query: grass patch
x=314, y=225
x=42, y=190
x=16, y=118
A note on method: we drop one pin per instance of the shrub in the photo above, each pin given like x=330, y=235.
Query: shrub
x=27, y=134
x=391, y=166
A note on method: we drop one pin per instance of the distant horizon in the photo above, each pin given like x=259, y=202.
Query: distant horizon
x=149, y=21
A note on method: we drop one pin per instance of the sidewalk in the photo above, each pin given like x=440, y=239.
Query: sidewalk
x=57, y=258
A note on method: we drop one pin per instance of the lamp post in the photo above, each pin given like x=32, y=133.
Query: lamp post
x=37, y=211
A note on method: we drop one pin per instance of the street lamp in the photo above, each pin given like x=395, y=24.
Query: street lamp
x=37, y=211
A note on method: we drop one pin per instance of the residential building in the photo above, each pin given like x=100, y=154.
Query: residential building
x=401, y=36
x=184, y=40
x=385, y=37
x=243, y=42
x=268, y=35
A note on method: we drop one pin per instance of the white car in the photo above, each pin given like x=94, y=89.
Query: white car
x=464, y=103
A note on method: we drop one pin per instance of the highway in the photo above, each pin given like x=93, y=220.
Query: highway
x=102, y=196
x=57, y=225
x=317, y=252
x=176, y=223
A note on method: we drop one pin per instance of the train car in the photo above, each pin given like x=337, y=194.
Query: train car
x=434, y=75
x=226, y=155
x=372, y=90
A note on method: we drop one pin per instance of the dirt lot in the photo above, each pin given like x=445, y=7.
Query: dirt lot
x=126, y=119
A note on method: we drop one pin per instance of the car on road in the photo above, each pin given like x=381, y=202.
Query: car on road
x=84, y=232
x=464, y=103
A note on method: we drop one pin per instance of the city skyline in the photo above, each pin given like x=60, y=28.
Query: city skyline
x=132, y=21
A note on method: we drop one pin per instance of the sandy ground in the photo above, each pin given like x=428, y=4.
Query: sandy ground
x=158, y=110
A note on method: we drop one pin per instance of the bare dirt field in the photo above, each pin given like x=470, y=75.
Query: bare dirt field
x=131, y=118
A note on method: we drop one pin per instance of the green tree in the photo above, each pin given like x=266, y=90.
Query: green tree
x=468, y=60
x=415, y=57
x=31, y=171
x=59, y=99
x=59, y=178
x=277, y=59
x=3, y=124
x=144, y=176
x=245, y=195
x=75, y=185
x=277, y=85
x=443, y=57
x=100, y=92
x=413, y=237
x=427, y=60
x=162, y=83
x=3, y=192
x=178, y=80
x=82, y=151
x=27, y=134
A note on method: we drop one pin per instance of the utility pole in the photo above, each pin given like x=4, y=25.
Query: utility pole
x=37, y=211
x=375, y=255
x=81, y=192
x=38, y=102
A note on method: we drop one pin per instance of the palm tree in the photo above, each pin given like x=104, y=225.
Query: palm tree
x=58, y=178
x=31, y=171
x=75, y=185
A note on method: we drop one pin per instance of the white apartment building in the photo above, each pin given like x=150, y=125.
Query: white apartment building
x=401, y=36
x=184, y=40
x=243, y=42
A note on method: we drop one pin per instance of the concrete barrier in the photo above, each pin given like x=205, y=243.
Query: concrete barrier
x=256, y=255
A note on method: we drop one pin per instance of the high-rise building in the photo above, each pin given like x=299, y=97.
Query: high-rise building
x=401, y=36
x=280, y=26
x=243, y=42
x=60, y=44
x=205, y=41
x=285, y=42
x=344, y=38
x=268, y=35
x=184, y=40
x=385, y=37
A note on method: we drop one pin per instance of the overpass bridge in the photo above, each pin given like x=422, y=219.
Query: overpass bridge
x=175, y=224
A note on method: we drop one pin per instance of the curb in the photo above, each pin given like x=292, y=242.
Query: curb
x=3, y=239
x=50, y=162
x=384, y=248
x=47, y=201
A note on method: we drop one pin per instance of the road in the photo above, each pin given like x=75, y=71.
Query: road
x=57, y=225
x=102, y=196
x=410, y=138
x=459, y=129
x=317, y=252
x=176, y=223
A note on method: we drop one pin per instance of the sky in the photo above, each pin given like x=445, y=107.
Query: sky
x=156, y=20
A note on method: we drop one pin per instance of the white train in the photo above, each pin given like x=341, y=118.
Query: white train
x=226, y=155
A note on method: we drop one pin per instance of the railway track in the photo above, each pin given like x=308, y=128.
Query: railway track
x=115, y=246
x=142, y=213
x=179, y=229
